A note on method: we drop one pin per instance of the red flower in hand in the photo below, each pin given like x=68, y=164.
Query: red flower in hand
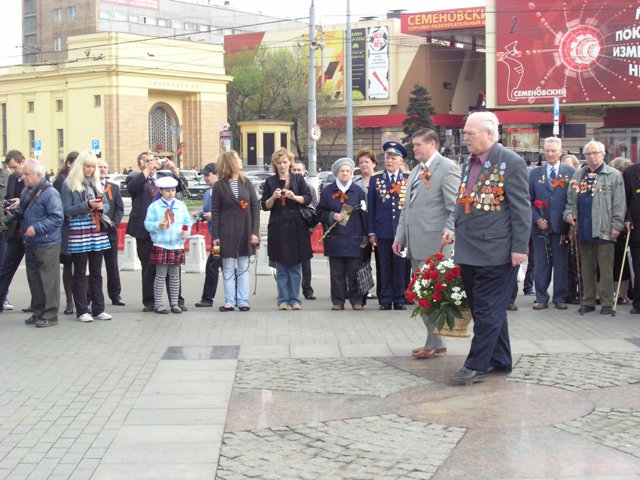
x=439, y=256
x=410, y=296
x=185, y=228
x=540, y=204
x=455, y=271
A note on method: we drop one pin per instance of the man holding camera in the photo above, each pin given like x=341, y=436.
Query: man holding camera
x=14, y=161
x=212, y=269
x=143, y=190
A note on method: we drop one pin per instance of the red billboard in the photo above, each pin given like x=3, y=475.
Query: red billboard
x=582, y=51
x=442, y=20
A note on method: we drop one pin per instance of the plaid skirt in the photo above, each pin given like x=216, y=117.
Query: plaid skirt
x=162, y=256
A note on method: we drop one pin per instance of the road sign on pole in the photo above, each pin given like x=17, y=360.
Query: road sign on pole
x=37, y=148
x=95, y=146
x=556, y=116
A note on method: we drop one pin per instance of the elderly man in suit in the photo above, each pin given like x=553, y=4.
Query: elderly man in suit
x=426, y=220
x=113, y=197
x=548, y=186
x=596, y=206
x=385, y=199
x=142, y=188
x=493, y=224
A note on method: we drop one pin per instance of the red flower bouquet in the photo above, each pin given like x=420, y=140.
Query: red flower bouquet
x=437, y=289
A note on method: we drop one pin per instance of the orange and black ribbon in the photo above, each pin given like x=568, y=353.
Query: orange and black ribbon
x=558, y=182
x=395, y=188
x=168, y=216
x=426, y=174
x=96, y=219
x=107, y=191
x=343, y=196
x=466, y=200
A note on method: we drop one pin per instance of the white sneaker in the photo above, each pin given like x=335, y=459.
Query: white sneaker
x=85, y=317
x=103, y=316
x=7, y=305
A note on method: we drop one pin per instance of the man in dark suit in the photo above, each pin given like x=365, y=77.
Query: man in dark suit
x=113, y=197
x=548, y=187
x=493, y=224
x=385, y=199
x=141, y=186
x=631, y=177
x=307, y=290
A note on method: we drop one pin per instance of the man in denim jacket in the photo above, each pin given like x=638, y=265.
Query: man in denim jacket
x=42, y=216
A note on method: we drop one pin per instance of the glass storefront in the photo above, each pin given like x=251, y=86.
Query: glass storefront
x=620, y=142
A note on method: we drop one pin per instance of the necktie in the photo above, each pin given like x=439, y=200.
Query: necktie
x=553, y=173
x=416, y=181
x=154, y=188
x=393, y=178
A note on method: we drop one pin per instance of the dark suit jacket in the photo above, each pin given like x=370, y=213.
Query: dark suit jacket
x=631, y=178
x=486, y=237
x=540, y=189
x=113, y=197
x=383, y=214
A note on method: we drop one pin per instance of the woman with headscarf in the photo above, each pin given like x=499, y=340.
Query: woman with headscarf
x=341, y=212
x=283, y=194
x=235, y=213
x=82, y=235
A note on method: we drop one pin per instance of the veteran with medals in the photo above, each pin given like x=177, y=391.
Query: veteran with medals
x=385, y=199
x=493, y=224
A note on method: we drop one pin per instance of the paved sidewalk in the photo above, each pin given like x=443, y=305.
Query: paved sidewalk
x=311, y=394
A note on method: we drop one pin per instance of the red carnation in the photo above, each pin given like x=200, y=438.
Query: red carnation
x=185, y=228
x=448, y=276
x=425, y=275
x=410, y=296
x=440, y=287
x=540, y=204
x=439, y=256
x=434, y=275
x=424, y=303
x=455, y=271
x=436, y=296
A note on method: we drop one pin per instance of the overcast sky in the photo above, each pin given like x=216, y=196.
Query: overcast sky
x=327, y=12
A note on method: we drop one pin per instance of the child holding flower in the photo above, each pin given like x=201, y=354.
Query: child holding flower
x=168, y=221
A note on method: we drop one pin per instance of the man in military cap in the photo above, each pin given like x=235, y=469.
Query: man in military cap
x=385, y=198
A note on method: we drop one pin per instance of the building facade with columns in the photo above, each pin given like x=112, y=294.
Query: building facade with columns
x=131, y=93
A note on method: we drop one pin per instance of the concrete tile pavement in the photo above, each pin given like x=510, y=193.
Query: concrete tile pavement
x=97, y=400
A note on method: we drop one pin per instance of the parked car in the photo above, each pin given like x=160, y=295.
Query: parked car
x=121, y=180
x=257, y=178
x=197, y=190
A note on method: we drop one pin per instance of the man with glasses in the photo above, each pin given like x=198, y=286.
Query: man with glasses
x=596, y=206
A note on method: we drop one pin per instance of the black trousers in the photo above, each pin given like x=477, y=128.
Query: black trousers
x=143, y=249
x=111, y=265
x=635, y=255
x=43, y=275
x=344, y=285
x=80, y=261
x=211, y=274
x=12, y=259
x=307, y=289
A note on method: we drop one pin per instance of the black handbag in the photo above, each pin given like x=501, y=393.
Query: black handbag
x=13, y=229
x=106, y=224
x=364, y=277
x=307, y=212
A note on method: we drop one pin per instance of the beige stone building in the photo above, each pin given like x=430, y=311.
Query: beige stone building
x=132, y=93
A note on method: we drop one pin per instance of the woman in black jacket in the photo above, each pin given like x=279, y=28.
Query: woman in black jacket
x=283, y=194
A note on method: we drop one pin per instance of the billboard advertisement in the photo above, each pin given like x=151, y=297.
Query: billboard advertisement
x=333, y=61
x=581, y=51
x=153, y=4
x=378, y=71
x=359, y=63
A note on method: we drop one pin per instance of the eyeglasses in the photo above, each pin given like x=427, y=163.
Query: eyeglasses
x=592, y=154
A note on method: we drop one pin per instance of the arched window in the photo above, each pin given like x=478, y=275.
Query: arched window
x=162, y=125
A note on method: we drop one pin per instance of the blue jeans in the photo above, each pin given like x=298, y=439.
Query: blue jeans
x=236, y=281
x=288, y=279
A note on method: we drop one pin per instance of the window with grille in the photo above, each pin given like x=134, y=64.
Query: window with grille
x=160, y=136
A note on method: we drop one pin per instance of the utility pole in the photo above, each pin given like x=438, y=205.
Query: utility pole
x=349, y=85
x=311, y=119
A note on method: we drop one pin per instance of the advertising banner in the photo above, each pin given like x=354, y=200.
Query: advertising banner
x=333, y=61
x=459, y=18
x=359, y=63
x=378, y=72
x=153, y=4
x=581, y=51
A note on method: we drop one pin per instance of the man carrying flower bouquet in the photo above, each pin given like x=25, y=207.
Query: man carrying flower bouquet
x=548, y=186
x=426, y=220
x=493, y=225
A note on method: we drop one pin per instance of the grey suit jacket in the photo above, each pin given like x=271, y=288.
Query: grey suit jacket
x=485, y=238
x=430, y=213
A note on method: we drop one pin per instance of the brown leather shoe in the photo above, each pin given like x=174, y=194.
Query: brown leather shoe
x=429, y=353
x=337, y=307
x=540, y=306
x=562, y=306
x=357, y=306
x=148, y=308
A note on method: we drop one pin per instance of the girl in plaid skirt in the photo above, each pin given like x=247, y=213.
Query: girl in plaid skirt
x=168, y=221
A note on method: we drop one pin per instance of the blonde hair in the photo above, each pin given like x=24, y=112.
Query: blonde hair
x=75, y=180
x=575, y=163
x=228, y=166
x=278, y=154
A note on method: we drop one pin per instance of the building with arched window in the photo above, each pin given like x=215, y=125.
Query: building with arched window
x=129, y=92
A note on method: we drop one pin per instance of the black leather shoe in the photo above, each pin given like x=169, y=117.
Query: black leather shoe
x=44, y=323
x=27, y=310
x=148, y=308
x=117, y=302
x=466, y=376
x=512, y=307
x=204, y=303
x=31, y=320
x=606, y=310
x=399, y=306
x=634, y=310
x=310, y=297
x=586, y=309
x=384, y=306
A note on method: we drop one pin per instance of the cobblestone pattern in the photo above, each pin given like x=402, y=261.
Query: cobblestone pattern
x=364, y=448
x=573, y=371
x=356, y=376
x=616, y=428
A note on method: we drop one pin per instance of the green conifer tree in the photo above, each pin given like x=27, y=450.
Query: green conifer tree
x=419, y=113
